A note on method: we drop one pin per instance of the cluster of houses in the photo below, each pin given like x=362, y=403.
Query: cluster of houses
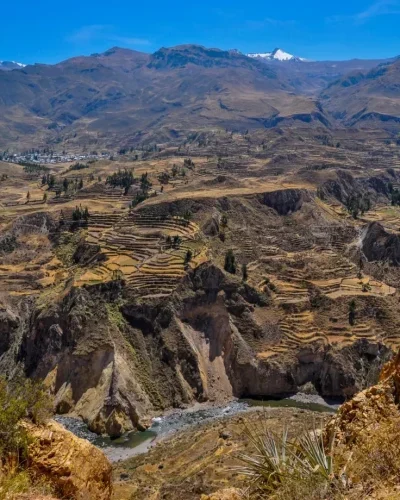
x=52, y=157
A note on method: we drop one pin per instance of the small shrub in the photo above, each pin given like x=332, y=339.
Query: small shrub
x=21, y=399
x=78, y=166
x=230, y=262
x=352, y=312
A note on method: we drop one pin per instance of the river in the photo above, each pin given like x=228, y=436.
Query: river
x=134, y=443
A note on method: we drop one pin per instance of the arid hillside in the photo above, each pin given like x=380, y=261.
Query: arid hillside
x=366, y=99
x=121, y=93
x=133, y=285
x=125, y=96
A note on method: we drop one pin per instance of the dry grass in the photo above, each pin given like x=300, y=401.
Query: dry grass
x=374, y=464
x=18, y=485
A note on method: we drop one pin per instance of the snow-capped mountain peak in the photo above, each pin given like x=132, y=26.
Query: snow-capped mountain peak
x=9, y=65
x=276, y=55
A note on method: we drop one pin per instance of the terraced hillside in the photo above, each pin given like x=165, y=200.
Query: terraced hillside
x=208, y=276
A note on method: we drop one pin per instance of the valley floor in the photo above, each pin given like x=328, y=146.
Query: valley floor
x=201, y=461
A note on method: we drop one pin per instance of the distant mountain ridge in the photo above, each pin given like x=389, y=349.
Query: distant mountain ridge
x=366, y=99
x=126, y=95
x=9, y=65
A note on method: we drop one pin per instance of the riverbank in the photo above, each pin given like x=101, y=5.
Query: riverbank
x=175, y=421
x=200, y=459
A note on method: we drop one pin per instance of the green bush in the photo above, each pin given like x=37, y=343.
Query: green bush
x=21, y=399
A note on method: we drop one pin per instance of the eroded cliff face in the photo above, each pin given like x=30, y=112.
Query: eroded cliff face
x=345, y=185
x=115, y=362
x=380, y=245
x=286, y=201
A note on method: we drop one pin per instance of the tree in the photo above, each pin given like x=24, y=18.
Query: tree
x=122, y=178
x=230, y=262
x=164, y=178
x=45, y=198
x=80, y=214
x=176, y=242
x=352, y=312
x=28, y=196
x=188, y=257
x=80, y=186
x=187, y=215
x=139, y=198
x=244, y=272
x=65, y=184
x=168, y=241
x=224, y=221
x=358, y=203
x=174, y=170
x=145, y=183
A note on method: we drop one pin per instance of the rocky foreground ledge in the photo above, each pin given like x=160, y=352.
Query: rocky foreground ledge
x=74, y=467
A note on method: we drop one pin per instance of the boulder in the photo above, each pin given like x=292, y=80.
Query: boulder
x=76, y=468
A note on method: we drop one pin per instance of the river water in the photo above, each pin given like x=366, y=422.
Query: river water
x=134, y=443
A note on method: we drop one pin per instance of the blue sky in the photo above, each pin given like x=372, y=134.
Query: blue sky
x=48, y=31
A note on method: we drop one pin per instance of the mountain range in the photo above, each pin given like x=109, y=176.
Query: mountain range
x=9, y=65
x=276, y=55
x=125, y=95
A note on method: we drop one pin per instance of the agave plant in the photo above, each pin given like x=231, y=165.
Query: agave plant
x=271, y=461
x=277, y=459
x=311, y=456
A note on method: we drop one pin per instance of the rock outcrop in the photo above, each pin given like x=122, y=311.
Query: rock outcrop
x=75, y=468
x=344, y=186
x=360, y=416
x=379, y=245
x=286, y=201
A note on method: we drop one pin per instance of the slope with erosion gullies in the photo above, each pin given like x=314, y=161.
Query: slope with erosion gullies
x=176, y=89
x=366, y=99
x=312, y=77
x=123, y=326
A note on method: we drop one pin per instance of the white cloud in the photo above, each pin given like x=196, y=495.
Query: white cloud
x=379, y=8
x=104, y=32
